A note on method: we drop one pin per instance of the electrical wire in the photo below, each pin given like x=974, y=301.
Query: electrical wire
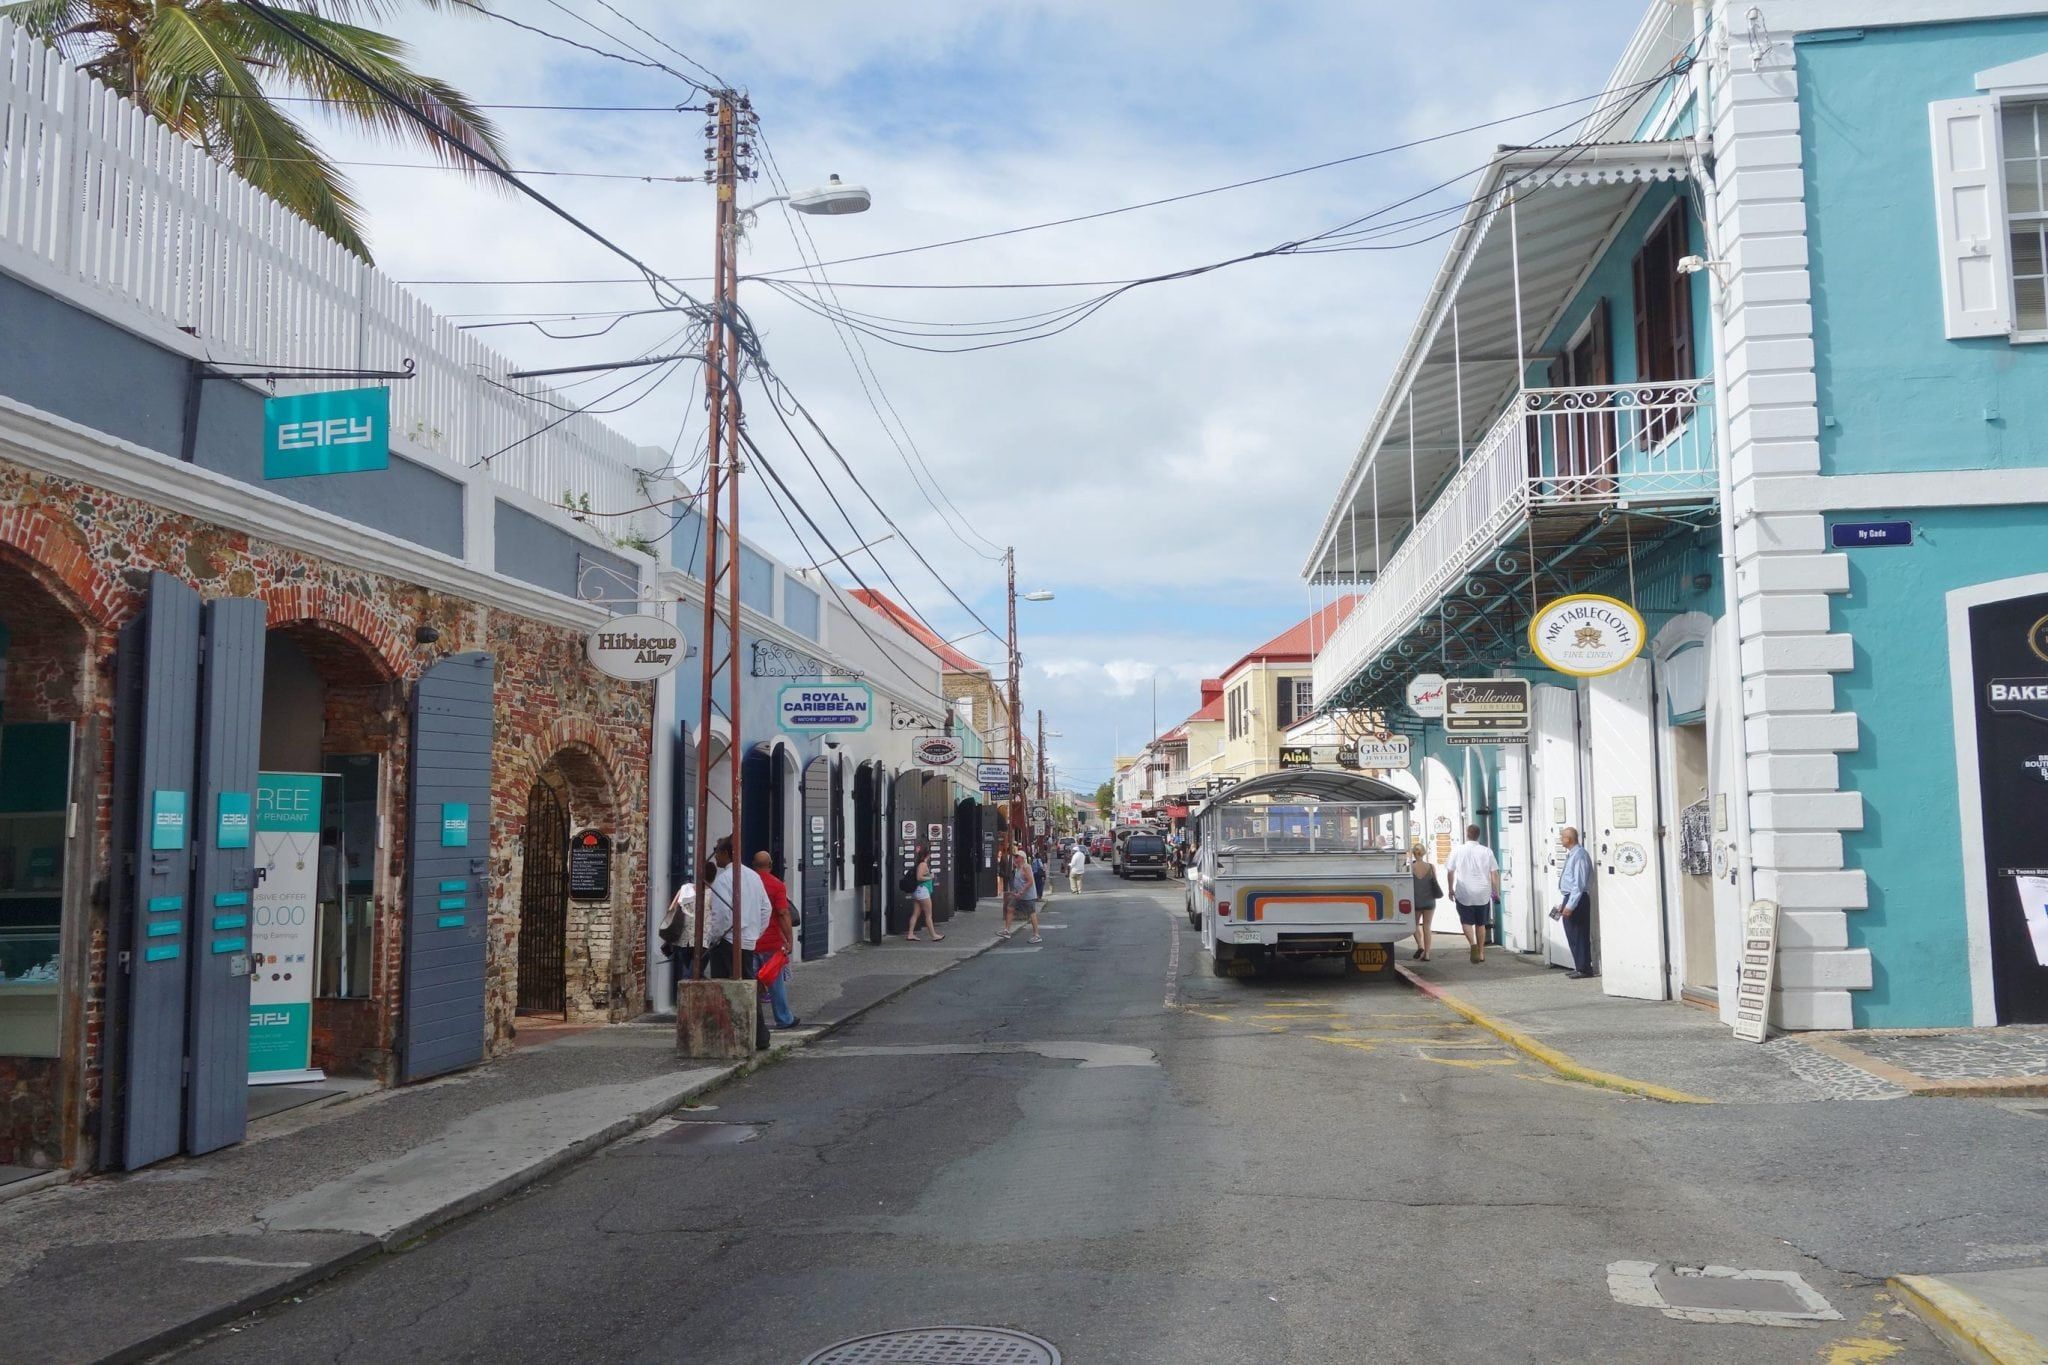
x=441, y=166
x=563, y=108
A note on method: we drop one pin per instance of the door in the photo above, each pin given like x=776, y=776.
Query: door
x=223, y=831
x=157, y=699
x=938, y=832
x=760, y=805
x=966, y=853
x=815, y=934
x=1553, y=803
x=1692, y=859
x=441, y=1023
x=906, y=814
x=1628, y=924
x=544, y=904
x=869, y=811
x=2009, y=646
x=1583, y=434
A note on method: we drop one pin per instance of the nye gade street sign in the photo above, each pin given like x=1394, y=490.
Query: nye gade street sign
x=1586, y=635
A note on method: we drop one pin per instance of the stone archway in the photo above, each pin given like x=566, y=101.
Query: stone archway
x=572, y=783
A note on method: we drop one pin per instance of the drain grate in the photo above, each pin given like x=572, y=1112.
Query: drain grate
x=940, y=1346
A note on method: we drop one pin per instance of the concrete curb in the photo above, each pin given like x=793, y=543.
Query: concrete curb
x=1549, y=1056
x=1970, y=1328
x=428, y=1223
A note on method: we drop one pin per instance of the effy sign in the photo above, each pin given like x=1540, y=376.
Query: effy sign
x=1586, y=635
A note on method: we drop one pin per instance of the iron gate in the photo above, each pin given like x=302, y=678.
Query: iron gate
x=544, y=904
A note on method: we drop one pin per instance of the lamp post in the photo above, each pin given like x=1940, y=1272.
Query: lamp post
x=731, y=150
x=1016, y=706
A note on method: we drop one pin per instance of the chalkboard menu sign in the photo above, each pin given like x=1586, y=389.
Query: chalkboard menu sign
x=590, y=866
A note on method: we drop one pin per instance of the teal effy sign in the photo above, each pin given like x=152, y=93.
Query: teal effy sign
x=166, y=820
x=232, y=820
x=454, y=824
x=287, y=803
x=340, y=431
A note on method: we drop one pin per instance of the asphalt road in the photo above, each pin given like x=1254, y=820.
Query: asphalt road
x=1099, y=1143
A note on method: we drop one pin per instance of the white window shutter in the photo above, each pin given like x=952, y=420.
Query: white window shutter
x=1969, y=212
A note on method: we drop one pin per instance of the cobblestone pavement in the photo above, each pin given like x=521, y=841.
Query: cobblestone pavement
x=1963, y=1055
x=1829, y=1077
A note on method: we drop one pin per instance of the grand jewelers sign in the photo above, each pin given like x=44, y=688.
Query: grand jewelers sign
x=635, y=648
x=1392, y=752
x=809, y=708
x=1586, y=635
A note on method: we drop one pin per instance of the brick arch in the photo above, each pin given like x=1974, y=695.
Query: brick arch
x=351, y=618
x=62, y=565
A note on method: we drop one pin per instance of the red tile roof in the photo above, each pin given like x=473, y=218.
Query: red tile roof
x=953, y=660
x=1299, y=642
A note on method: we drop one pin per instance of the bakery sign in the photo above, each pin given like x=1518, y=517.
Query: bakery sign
x=1587, y=635
x=2020, y=696
x=635, y=648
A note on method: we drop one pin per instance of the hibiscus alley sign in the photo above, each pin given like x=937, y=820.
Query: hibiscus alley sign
x=635, y=648
x=1586, y=635
x=810, y=708
x=936, y=751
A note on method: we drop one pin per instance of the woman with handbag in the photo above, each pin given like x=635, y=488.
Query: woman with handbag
x=921, y=896
x=1428, y=891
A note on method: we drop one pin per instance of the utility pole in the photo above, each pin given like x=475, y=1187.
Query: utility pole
x=1016, y=716
x=730, y=149
x=1041, y=756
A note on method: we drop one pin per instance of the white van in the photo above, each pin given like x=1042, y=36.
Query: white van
x=1303, y=863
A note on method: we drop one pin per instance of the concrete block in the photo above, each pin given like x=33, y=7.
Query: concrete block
x=1811, y=929
x=1824, y=969
x=1781, y=533
x=1841, y=889
x=1742, y=120
x=1794, y=1008
x=1778, y=218
x=1797, y=773
x=1770, y=357
x=1751, y=288
x=1756, y=151
x=1798, y=654
x=715, y=1020
x=1768, y=322
x=1835, y=732
x=1805, y=811
x=1780, y=851
x=1793, y=573
x=1769, y=388
x=1756, y=459
x=1785, y=613
x=1788, y=692
x=1787, y=183
x=1791, y=422
x=1744, y=86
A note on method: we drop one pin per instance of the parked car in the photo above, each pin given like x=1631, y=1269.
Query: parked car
x=1140, y=853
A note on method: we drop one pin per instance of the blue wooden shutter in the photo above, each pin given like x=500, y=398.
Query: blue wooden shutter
x=816, y=930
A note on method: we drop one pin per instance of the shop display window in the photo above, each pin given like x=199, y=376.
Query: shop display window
x=35, y=779
x=347, y=882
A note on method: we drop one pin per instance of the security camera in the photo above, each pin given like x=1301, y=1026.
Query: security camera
x=831, y=743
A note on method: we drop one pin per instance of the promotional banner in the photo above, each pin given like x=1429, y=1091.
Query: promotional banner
x=282, y=924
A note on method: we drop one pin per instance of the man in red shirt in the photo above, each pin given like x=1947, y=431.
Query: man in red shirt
x=779, y=935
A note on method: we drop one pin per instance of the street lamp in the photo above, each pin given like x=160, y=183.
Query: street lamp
x=830, y=200
x=1016, y=706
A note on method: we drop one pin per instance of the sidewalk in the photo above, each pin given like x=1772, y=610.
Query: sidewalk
x=1999, y=1316
x=120, y=1267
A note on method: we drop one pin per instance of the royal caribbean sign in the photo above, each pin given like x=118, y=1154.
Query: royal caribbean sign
x=1586, y=635
x=341, y=431
x=810, y=708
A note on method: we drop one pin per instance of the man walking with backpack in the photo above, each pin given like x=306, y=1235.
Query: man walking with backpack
x=1020, y=896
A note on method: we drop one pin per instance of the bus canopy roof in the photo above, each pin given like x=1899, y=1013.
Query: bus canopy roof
x=1314, y=784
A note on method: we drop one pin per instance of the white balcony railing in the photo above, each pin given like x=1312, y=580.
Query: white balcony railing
x=108, y=208
x=1552, y=448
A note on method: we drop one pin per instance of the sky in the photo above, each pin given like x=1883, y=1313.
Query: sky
x=1161, y=467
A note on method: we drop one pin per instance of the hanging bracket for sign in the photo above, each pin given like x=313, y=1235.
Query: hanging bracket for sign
x=197, y=372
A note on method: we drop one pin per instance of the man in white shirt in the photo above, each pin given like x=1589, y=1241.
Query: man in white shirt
x=1475, y=883
x=755, y=910
x=1075, y=863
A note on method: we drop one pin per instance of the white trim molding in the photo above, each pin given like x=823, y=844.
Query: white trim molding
x=1962, y=684
x=1902, y=489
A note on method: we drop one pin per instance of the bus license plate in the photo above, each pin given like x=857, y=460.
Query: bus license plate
x=1247, y=934
x=1369, y=956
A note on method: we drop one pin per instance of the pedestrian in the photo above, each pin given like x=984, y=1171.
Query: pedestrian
x=677, y=921
x=921, y=896
x=1038, y=873
x=1020, y=897
x=1475, y=882
x=1076, y=863
x=779, y=936
x=1574, y=907
x=1428, y=891
x=740, y=886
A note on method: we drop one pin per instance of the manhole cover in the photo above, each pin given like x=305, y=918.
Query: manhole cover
x=940, y=1346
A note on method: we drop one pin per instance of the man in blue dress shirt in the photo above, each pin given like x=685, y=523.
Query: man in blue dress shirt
x=1573, y=886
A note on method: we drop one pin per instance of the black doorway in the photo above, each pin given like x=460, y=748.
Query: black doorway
x=544, y=904
x=2009, y=653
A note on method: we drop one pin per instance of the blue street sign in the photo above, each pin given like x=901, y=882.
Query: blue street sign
x=1851, y=535
x=341, y=431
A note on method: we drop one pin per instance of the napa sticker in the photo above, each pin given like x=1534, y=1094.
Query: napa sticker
x=1587, y=635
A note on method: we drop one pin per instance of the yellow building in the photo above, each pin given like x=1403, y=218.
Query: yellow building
x=1240, y=727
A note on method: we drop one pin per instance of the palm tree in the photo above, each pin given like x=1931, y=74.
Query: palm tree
x=210, y=69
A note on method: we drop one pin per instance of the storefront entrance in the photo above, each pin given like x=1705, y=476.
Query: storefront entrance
x=2009, y=652
x=544, y=903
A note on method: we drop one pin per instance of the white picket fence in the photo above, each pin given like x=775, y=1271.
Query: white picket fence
x=105, y=206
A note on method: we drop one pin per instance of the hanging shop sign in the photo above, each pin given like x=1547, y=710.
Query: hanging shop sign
x=992, y=778
x=1395, y=751
x=1587, y=635
x=936, y=751
x=341, y=431
x=1856, y=535
x=635, y=648
x=1758, y=965
x=1301, y=756
x=1486, y=711
x=283, y=926
x=1426, y=695
x=810, y=708
x=590, y=866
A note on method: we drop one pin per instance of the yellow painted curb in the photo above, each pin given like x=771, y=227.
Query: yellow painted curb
x=1549, y=1056
x=1970, y=1327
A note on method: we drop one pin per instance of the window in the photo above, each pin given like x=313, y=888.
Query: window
x=1664, y=303
x=1239, y=709
x=1295, y=700
x=2025, y=144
